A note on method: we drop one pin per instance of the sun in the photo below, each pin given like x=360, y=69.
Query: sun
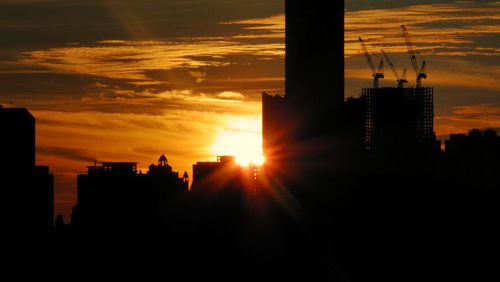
x=241, y=138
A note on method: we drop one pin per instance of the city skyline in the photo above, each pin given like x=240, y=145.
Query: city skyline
x=130, y=89
x=280, y=148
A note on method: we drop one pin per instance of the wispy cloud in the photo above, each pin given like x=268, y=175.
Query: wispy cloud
x=456, y=28
x=128, y=59
x=129, y=86
x=463, y=119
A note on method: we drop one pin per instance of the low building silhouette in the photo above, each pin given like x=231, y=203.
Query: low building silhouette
x=162, y=175
x=483, y=145
x=223, y=174
x=471, y=161
x=114, y=196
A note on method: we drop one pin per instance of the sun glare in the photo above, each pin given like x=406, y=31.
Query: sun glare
x=242, y=138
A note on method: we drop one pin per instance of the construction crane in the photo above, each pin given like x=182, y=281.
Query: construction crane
x=376, y=73
x=420, y=69
x=400, y=78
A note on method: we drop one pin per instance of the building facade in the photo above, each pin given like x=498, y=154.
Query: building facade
x=28, y=190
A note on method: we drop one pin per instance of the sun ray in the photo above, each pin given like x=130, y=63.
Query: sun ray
x=242, y=138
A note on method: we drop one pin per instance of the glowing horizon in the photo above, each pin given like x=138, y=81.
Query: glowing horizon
x=135, y=87
x=242, y=138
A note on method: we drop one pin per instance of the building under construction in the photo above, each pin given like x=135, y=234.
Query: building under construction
x=398, y=119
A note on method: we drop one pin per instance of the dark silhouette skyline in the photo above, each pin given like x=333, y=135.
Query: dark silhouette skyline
x=354, y=189
x=246, y=219
x=65, y=97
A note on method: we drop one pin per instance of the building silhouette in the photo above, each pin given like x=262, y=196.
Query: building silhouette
x=224, y=174
x=353, y=189
x=483, y=145
x=471, y=161
x=314, y=69
x=399, y=120
x=358, y=170
x=28, y=189
x=314, y=82
x=312, y=129
x=204, y=170
x=162, y=175
x=113, y=196
x=18, y=139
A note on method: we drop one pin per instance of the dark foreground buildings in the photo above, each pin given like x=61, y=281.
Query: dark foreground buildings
x=368, y=193
x=352, y=190
x=114, y=197
x=153, y=221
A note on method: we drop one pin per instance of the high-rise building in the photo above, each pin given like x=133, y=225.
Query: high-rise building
x=399, y=120
x=315, y=53
x=298, y=128
x=17, y=142
x=27, y=189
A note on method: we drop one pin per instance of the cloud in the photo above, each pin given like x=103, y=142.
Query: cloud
x=48, y=23
x=141, y=62
x=129, y=80
x=443, y=71
x=230, y=95
x=260, y=28
x=76, y=154
x=128, y=69
x=478, y=110
x=464, y=118
x=459, y=26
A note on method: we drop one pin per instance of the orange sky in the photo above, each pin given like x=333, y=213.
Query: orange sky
x=139, y=82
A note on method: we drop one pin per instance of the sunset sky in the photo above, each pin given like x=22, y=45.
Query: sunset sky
x=111, y=80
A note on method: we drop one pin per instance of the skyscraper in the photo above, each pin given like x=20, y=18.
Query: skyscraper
x=17, y=142
x=27, y=189
x=303, y=123
x=315, y=53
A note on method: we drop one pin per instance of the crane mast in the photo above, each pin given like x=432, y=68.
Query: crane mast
x=377, y=73
x=420, y=70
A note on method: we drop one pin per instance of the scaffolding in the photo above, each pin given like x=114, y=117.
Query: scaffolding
x=405, y=112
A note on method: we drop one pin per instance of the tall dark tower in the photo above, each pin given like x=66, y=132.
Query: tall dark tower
x=27, y=189
x=311, y=116
x=17, y=142
x=315, y=53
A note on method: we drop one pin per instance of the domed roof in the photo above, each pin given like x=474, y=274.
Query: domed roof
x=162, y=161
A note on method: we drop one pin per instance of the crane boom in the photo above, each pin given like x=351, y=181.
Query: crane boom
x=376, y=72
x=367, y=56
x=411, y=50
x=419, y=71
x=401, y=79
x=391, y=64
